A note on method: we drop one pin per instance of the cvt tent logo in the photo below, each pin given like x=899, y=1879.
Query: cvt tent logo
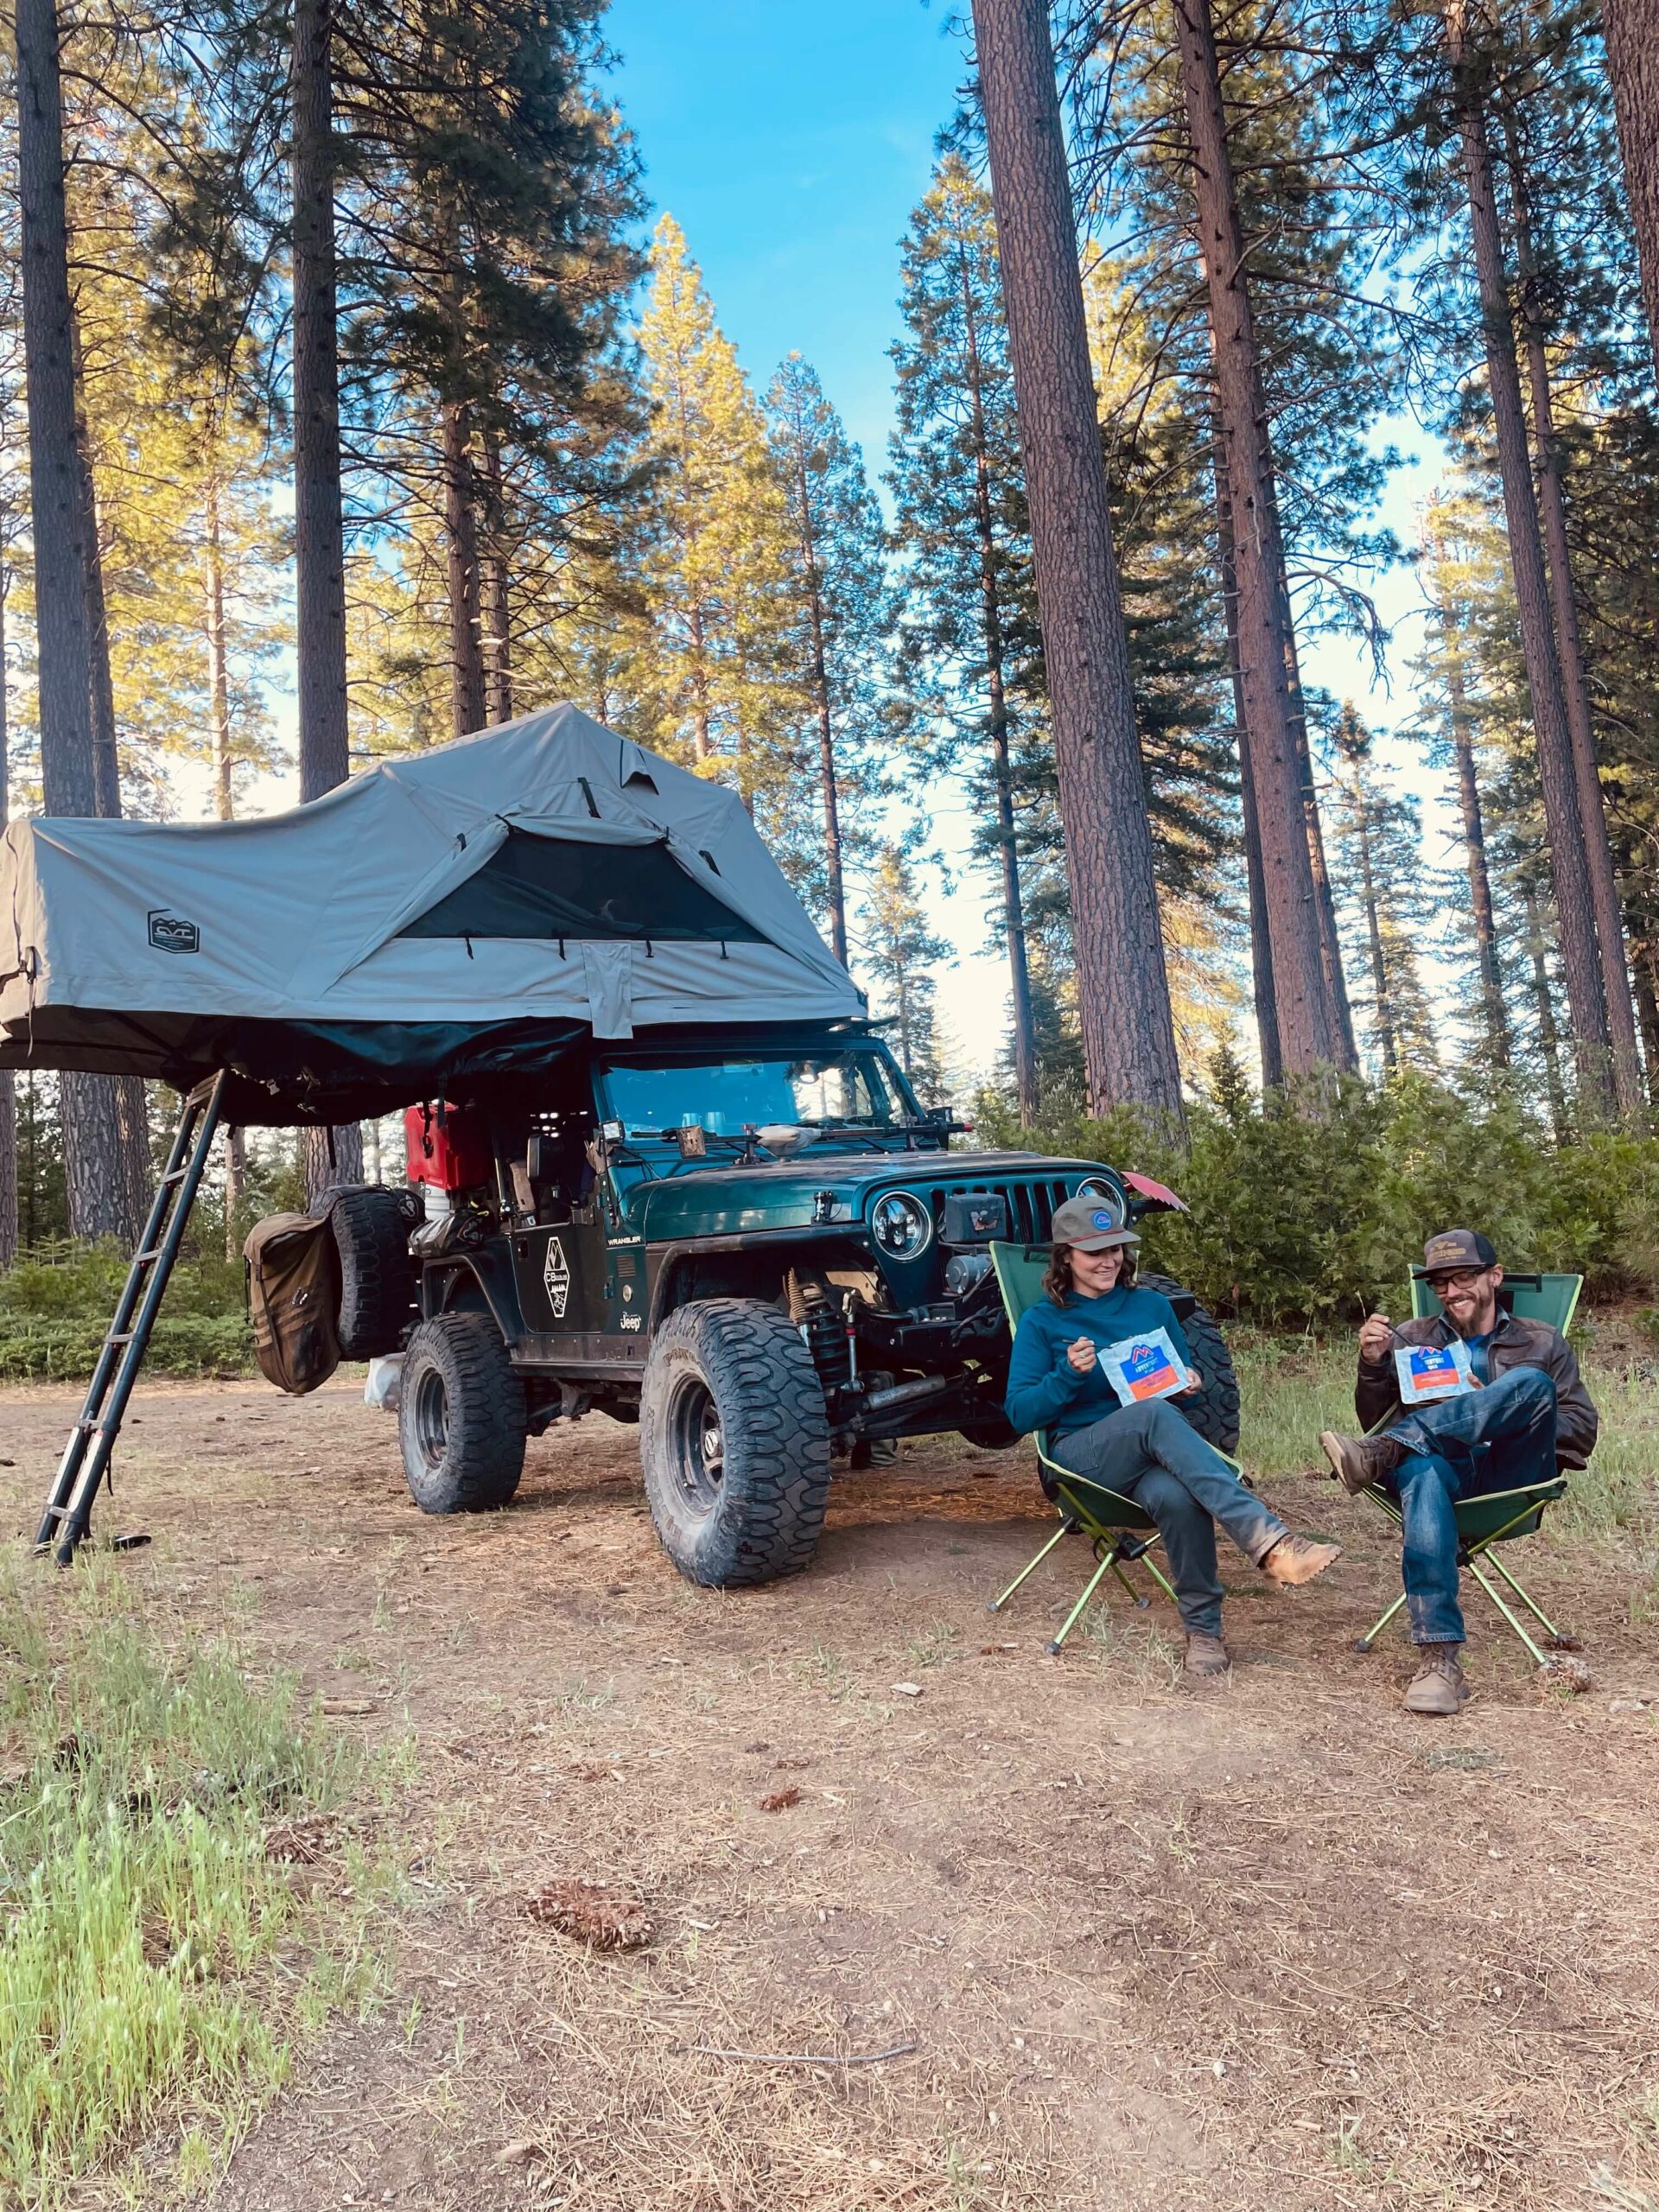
x=555, y=1273
x=171, y=934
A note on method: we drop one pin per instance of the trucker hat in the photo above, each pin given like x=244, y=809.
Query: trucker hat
x=1088, y=1226
x=1454, y=1248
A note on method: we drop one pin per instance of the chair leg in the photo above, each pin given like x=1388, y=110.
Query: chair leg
x=1497, y=1597
x=1365, y=1642
x=1160, y=1579
x=1135, y=1597
x=1064, y=1530
x=1082, y=1605
x=1526, y=1597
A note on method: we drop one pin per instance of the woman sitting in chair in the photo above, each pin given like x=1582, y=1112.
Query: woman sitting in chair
x=1146, y=1452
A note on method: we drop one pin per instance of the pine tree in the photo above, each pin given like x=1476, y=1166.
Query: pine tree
x=713, y=676
x=1633, y=66
x=1128, y=1035
x=968, y=654
x=842, y=607
x=1380, y=853
x=897, y=950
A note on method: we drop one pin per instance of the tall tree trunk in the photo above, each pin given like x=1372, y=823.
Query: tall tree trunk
x=95, y=1159
x=218, y=681
x=1569, y=872
x=461, y=539
x=1575, y=687
x=1548, y=1036
x=1480, y=886
x=1267, y=1018
x=319, y=515
x=319, y=521
x=1309, y=1031
x=828, y=790
x=1647, y=1007
x=1387, y=1036
x=1633, y=65
x=1129, y=1037
x=1325, y=902
x=495, y=599
x=1027, y=1087
x=8, y=1089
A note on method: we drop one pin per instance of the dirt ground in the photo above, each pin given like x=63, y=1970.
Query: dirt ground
x=1271, y=1944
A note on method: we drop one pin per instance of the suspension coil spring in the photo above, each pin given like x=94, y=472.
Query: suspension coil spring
x=825, y=1332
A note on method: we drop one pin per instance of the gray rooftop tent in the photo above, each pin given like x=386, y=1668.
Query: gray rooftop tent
x=460, y=915
x=457, y=913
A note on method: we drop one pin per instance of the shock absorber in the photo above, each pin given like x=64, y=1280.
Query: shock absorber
x=824, y=1328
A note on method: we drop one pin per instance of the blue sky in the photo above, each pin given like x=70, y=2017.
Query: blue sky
x=790, y=143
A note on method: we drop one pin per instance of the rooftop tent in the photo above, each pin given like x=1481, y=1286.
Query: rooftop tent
x=469, y=911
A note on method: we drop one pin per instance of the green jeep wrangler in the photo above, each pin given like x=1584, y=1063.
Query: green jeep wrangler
x=757, y=1245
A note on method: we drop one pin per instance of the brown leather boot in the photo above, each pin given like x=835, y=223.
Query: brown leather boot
x=1359, y=1461
x=1206, y=1657
x=1297, y=1558
x=1438, y=1686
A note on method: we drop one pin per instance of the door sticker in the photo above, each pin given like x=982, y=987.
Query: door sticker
x=555, y=1273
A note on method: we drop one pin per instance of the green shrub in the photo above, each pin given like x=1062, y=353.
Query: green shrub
x=56, y=1305
x=1312, y=1210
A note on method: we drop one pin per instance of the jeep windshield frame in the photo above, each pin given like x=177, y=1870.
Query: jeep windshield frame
x=830, y=1088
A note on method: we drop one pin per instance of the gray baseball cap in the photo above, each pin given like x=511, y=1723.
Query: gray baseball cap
x=1086, y=1224
x=1449, y=1249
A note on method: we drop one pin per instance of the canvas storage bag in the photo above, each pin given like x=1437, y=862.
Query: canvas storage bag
x=293, y=1300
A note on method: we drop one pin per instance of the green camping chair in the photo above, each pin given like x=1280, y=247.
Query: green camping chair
x=1116, y=1529
x=1498, y=1517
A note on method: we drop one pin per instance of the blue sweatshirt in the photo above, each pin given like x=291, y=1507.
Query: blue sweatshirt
x=1045, y=1390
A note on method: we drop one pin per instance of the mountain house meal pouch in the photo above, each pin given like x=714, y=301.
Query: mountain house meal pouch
x=1144, y=1367
x=1430, y=1371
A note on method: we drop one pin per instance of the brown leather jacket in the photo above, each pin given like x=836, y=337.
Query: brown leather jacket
x=1515, y=1343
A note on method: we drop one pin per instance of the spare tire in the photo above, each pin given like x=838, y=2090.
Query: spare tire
x=377, y=1276
x=1214, y=1411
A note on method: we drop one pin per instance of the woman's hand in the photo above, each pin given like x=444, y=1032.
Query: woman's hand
x=1082, y=1356
x=1194, y=1384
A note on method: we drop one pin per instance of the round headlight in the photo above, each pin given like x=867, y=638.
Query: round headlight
x=901, y=1225
x=1095, y=1187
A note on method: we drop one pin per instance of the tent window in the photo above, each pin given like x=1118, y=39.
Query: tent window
x=559, y=887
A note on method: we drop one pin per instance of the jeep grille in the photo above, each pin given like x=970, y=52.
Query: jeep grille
x=1031, y=1205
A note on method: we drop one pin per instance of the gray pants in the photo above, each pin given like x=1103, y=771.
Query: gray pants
x=1150, y=1453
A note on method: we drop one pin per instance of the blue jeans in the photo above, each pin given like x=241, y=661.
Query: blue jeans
x=1150, y=1453
x=1501, y=1437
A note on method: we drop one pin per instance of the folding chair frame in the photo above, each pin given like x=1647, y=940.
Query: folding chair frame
x=1537, y=1496
x=1122, y=1543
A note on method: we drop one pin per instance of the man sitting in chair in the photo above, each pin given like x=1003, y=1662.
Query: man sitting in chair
x=1527, y=1413
x=1145, y=1452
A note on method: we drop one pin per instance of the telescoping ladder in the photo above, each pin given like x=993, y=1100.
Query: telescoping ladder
x=85, y=1461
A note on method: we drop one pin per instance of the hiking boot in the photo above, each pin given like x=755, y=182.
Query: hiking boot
x=1297, y=1558
x=1359, y=1461
x=1438, y=1686
x=1207, y=1655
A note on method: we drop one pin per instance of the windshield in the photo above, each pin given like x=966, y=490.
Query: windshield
x=724, y=1095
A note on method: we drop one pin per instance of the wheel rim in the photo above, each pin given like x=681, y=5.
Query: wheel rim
x=695, y=1445
x=431, y=1419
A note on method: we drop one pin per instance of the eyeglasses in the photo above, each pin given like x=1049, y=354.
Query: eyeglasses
x=1461, y=1279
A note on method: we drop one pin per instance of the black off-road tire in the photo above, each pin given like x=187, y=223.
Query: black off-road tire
x=461, y=1416
x=1214, y=1414
x=377, y=1276
x=734, y=1442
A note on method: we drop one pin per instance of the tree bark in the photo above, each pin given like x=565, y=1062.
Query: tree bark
x=1267, y=1018
x=1633, y=65
x=495, y=600
x=8, y=1089
x=1129, y=1037
x=819, y=669
x=319, y=521
x=1569, y=644
x=1474, y=842
x=1028, y=1087
x=1309, y=1032
x=460, y=538
x=1324, y=903
x=219, y=682
x=1569, y=872
x=100, y=1164
x=1387, y=1037
x=1549, y=1035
